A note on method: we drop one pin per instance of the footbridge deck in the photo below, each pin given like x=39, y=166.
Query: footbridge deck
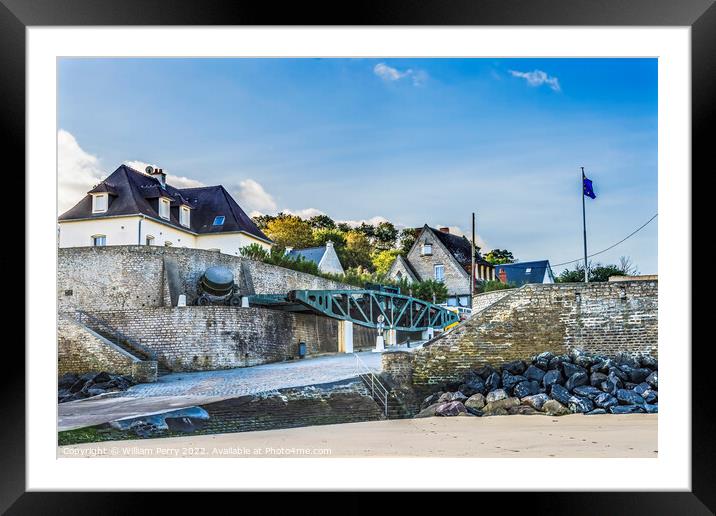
x=367, y=308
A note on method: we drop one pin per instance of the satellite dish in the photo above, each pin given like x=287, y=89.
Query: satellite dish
x=149, y=169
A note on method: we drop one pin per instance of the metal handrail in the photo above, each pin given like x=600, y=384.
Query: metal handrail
x=118, y=336
x=378, y=391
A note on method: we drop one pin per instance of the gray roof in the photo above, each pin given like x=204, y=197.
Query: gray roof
x=133, y=193
x=517, y=272
x=312, y=254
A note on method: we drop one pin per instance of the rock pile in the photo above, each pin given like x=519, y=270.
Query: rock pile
x=73, y=387
x=554, y=385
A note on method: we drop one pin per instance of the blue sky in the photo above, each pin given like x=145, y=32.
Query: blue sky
x=410, y=140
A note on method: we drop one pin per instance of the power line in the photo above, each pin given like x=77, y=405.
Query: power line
x=613, y=245
x=524, y=266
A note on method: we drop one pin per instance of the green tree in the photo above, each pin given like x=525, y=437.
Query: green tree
x=290, y=231
x=322, y=222
x=321, y=236
x=385, y=236
x=408, y=236
x=382, y=260
x=262, y=221
x=430, y=290
x=597, y=272
x=367, y=230
x=357, y=251
x=344, y=227
x=500, y=256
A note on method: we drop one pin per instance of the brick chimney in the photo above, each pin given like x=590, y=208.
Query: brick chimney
x=503, y=276
x=444, y=230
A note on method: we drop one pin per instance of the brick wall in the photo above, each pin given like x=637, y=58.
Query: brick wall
x=125, y=277
x=482, y=301
x=605, y=318
x=201, y=338
x=80, y=350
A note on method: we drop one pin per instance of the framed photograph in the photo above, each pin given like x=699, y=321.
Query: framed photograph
x=285, y=250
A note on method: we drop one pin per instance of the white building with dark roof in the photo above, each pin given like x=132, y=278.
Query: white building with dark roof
x=325, y=257
x=133, y=208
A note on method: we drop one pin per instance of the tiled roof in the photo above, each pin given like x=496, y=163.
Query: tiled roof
x=312, y=254
x=521, y=273
x=134, y=191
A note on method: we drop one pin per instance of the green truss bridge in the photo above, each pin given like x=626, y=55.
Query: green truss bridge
x=363, y=307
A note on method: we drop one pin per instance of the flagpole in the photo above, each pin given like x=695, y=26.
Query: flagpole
x=584, y=226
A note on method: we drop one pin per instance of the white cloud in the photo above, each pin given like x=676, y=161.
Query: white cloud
x=252, y=197
x=355, y=223
x=77, y=171
x=388, y=73
x=537, y=78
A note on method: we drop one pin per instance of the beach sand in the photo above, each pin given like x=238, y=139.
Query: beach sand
x=631, y=435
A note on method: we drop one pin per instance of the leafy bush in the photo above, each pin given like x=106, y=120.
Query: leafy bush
x=490, y=285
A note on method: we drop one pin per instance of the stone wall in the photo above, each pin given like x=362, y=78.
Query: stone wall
x=603, y=318
x=200, y=338
x=81, y=350
x=133, y=277
x=347, y=401
x=482, y=301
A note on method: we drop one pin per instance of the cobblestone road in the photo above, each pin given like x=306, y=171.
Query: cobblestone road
x=179, y=390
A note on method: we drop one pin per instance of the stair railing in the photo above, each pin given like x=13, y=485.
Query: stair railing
x=378, y=391
x=119, y=338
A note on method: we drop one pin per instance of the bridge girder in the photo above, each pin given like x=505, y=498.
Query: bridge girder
x=363, y=307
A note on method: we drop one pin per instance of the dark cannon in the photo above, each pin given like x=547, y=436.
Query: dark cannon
x=217, y=286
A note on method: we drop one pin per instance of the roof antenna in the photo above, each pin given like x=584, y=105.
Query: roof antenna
x=149, y=170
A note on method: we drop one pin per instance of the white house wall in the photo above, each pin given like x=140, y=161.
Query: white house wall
x=127, y=231
x=119, y=231
x=330, y=263
x=163, y=234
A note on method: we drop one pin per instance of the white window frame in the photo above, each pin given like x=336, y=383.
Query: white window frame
x=164, y=213
x=427, y=249
x=184, y=216
x=437, y=267
x=96, y=237
x=95, y=203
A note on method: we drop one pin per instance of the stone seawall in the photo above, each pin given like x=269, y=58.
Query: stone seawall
x=201, y=338
x=134, y=277
x=599, y=318
x=80, y=350
x=482, y=301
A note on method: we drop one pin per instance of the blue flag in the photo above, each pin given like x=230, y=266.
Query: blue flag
x=587, y=187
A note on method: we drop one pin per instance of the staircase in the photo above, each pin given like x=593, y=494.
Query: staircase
x=118, y=338
x=389, y=404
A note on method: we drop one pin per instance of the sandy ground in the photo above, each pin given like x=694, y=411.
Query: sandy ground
x=628, y=435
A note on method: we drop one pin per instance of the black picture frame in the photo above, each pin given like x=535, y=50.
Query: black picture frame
x=700, y=15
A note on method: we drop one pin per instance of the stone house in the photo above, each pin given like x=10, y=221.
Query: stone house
x=133, y=208
x=325, y=257
x=437, y=254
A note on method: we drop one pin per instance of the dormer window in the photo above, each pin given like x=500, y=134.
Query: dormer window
x=164, y=204
x=99, y=203
x=184, y=216
x=427, y=249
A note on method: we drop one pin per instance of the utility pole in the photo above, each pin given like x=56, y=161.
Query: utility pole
x=472, y=269
x=584, y=226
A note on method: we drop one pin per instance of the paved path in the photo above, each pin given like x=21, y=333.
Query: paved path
x=179, y=390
